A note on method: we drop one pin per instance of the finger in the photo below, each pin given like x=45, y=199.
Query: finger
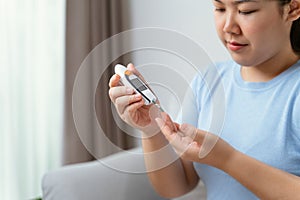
x=188, y=130
x=164, y=127
x=114, y=81
x=169, y=121
x=177, y=126
x=179, y=143
x=123, y=102
x=203, y=140
x=116, y=92
x=131, y=109
x=185, y=147
x=167, y=128
x=132, y=68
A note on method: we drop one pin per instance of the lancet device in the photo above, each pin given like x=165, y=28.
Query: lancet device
x=129, y=79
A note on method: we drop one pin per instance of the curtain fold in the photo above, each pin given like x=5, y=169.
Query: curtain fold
x=31, y=94
x=88, y=23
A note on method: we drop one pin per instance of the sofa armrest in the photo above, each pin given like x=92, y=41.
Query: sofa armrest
x=97, y=181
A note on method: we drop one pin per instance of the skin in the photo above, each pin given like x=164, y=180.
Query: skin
x=252, y=23
x=262, y=48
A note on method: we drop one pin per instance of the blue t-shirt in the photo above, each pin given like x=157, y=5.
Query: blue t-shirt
x=261, y=120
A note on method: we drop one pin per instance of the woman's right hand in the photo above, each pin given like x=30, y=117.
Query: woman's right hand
x=130, y=106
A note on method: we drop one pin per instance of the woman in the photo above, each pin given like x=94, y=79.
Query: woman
x=258, y=154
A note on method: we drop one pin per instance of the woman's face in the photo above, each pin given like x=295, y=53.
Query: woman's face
x=253, y=31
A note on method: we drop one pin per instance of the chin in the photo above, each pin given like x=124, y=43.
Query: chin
x=243, y=62
x=249, y=60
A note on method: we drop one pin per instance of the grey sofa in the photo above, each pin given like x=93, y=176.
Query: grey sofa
x=97, y=181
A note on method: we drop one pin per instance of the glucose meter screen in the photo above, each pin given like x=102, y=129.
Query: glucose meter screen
x=138, y=84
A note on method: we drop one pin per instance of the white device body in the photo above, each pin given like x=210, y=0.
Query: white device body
x=129, y=79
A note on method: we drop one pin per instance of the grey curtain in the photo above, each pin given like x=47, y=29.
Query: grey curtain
x=88, y=23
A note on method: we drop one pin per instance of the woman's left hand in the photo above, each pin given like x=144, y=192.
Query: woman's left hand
x=203, y=147
x=196, y=145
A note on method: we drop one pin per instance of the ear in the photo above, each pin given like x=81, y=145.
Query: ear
x=294, y=10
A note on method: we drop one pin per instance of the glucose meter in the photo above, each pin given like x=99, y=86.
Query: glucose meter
x=129, y=79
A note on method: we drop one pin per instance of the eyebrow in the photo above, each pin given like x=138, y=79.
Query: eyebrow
x=236, y=2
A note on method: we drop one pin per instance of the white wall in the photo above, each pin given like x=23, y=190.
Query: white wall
x=193, y=18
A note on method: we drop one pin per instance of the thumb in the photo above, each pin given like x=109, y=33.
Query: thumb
x=132, y=68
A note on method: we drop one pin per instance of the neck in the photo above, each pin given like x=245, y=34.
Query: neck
x=270, y=69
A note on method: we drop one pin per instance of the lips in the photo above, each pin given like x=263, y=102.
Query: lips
x=235, y=46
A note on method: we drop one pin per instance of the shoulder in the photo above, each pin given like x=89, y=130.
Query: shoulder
x=294, y=116
x=210, y=80
x=212, y=76
x=215, y=70
x=292, y=87
x=295, y=101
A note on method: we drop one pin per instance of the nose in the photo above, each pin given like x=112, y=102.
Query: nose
x=231, y=26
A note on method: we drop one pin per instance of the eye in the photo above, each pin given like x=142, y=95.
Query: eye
x=247, y=12
x=220, y=9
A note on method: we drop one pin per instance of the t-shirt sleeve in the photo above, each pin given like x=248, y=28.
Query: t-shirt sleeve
x=296, y=118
